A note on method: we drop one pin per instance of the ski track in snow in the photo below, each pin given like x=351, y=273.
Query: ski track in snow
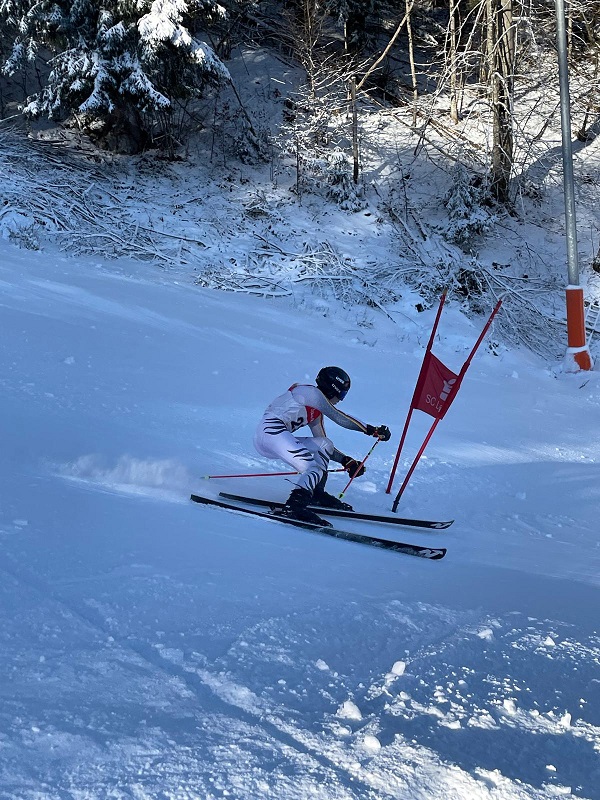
x=257, y=694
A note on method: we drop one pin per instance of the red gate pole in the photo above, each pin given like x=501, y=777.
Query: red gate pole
x=414, y=464
x=417, y=391
x=475, y=347
x=400, y=446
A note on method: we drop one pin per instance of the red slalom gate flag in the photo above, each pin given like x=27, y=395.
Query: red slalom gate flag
x=436, y=387
x=435, y=391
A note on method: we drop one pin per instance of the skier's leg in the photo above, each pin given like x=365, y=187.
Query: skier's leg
x=309, y=456
x=325, y=500
x=315, y=473
x=300, y=497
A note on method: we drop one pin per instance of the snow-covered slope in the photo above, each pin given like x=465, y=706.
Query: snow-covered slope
x=152, y=648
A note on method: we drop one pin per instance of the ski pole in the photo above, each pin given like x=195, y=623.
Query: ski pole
x=357, y=470
x=258, y=474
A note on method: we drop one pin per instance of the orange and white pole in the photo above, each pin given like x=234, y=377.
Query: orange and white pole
x=578, y=355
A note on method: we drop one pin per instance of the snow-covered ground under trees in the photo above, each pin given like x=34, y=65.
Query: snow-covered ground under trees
x=152, y=648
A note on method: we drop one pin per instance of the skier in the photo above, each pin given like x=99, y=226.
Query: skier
x=305, y=404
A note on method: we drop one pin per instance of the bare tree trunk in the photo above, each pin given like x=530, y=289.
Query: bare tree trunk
x=591, y=104
x=298, y=165
x=411, y=56
x=487, y=46
x=502, y=80
x=452, y=58
x=309, y=25
x=355, y=171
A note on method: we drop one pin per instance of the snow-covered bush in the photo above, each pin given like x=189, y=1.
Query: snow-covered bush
x=323, y=170
x=18, y=228
x=317, y=138
x=464, y=202
x=341, y=187
x=121, y=71
x=50, y=195
x=320, y=271
x=431, y=265
x=531, y=189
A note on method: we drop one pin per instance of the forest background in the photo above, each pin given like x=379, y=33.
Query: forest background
x=438, y=120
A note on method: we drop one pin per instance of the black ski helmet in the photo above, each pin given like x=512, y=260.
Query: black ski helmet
x=333, y=382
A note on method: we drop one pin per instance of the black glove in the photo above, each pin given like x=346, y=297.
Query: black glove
x=351, y=465
x=382, y=432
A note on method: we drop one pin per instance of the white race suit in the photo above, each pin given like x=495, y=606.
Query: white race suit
x=310, y=455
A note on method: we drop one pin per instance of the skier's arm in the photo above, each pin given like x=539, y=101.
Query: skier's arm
x=318, y=429
x=316, y=426
x=312, y=397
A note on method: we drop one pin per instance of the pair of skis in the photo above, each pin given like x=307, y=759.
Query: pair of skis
x=232, y=502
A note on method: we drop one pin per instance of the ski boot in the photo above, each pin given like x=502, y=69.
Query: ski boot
x=296, y=508
x=325, y=500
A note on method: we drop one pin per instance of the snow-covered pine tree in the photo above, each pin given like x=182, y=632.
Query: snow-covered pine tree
x=464, y=202
x=120, y=69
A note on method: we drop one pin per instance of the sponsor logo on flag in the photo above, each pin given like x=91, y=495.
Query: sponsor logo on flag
x=436, y=387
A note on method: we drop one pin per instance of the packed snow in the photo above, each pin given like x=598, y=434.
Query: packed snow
x=153, y=648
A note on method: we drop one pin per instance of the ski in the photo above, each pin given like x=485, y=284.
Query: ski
x=373, y=541
x=335, y=512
